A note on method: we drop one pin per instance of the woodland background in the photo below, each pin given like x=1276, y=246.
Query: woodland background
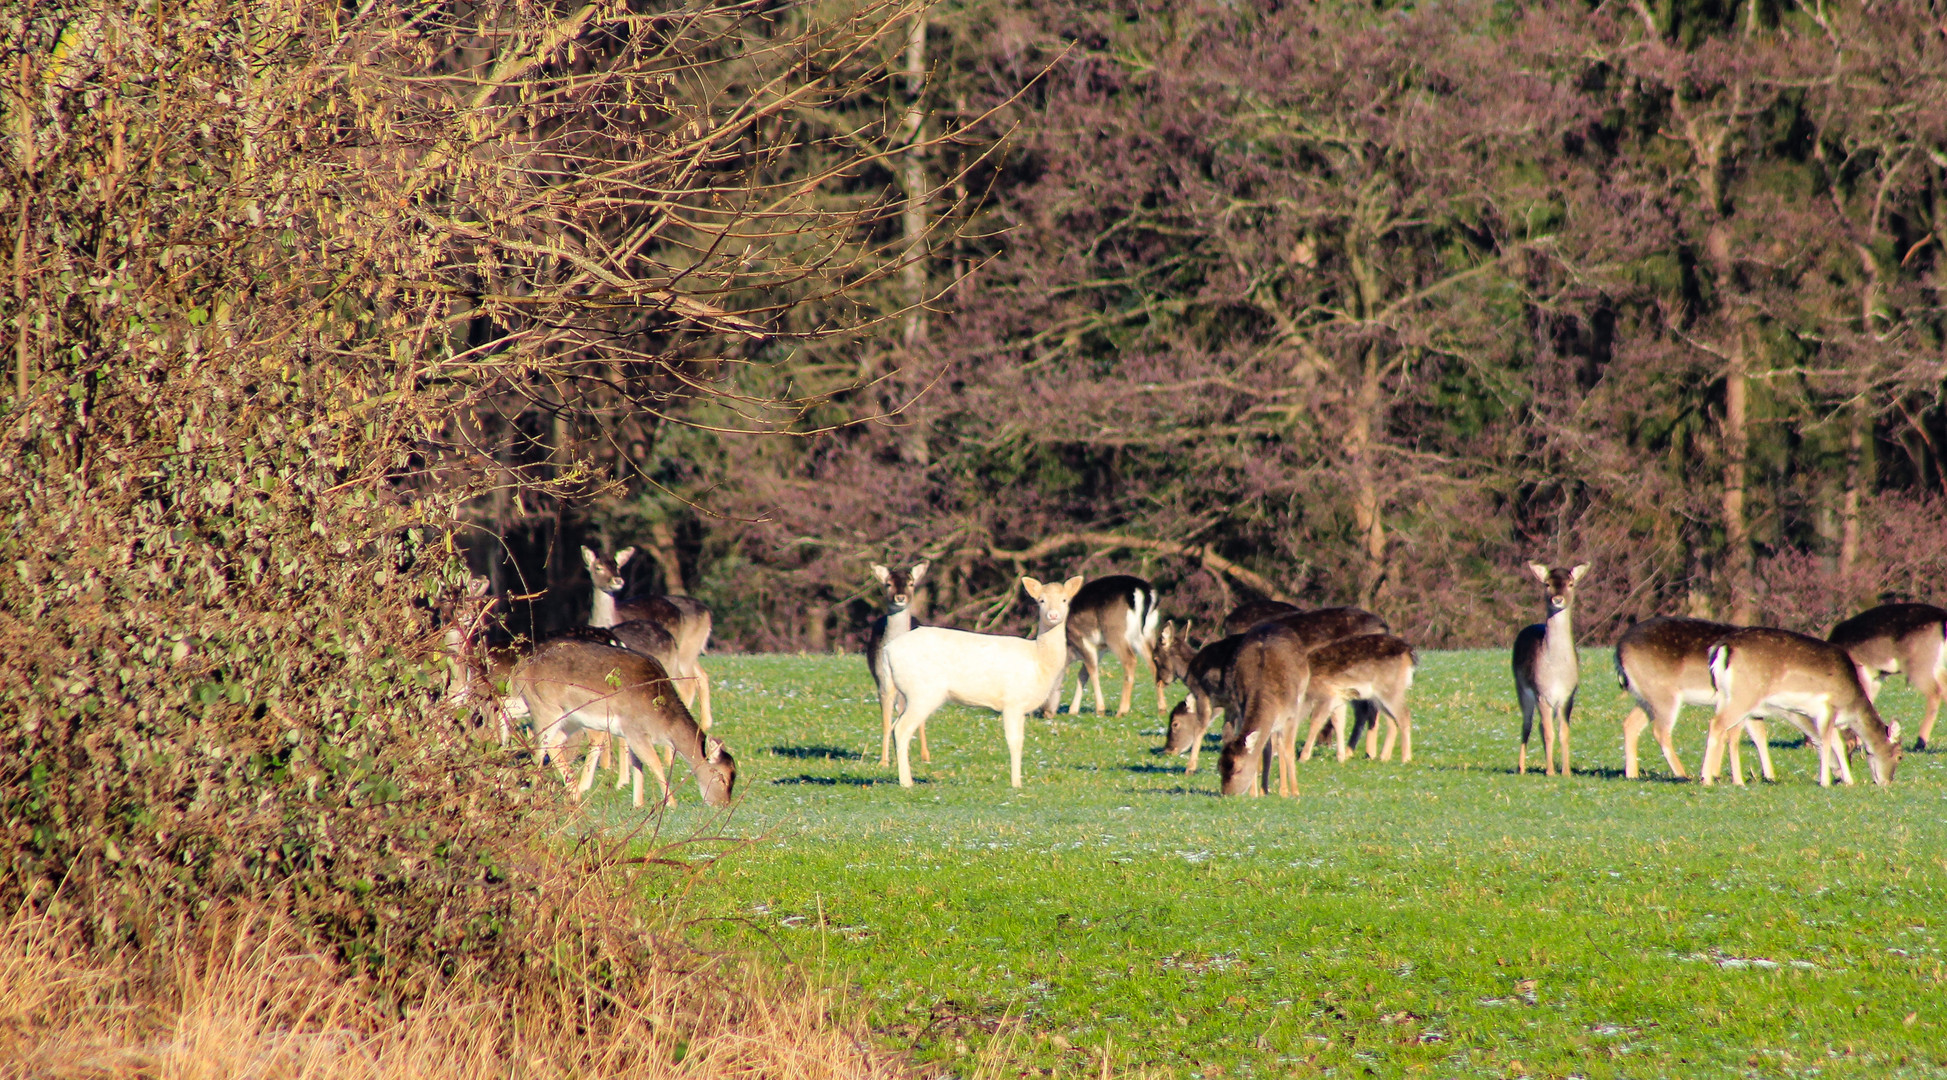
x=1348, y=303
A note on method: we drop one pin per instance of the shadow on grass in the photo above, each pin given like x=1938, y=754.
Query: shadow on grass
x=844, y=781
x=828, y=753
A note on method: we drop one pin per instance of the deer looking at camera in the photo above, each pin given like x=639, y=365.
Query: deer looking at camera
x=932, y=665
x=1118, y=611
x=1546, y=670
x=685, y=619
x=570, y=685
x=900, y=586
x=1909, y=639
x=1815, y=684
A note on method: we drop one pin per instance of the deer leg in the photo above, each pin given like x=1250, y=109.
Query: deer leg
x=1405, y=716
x=1209, y=712
x=888, y=696
x=1369, y=713
x=1340, y=730
x=1288, y=759
x=1836, y=742
x=1392, y=734
x=911, y=718
x=1663, y=726
x=1528, y=705
x=1127, y=657
x=1014, y=724
x=1761, y=740
x=1162, y=704
x=1090, y=659
x=1714, y=748
x=589, y=763
x=925, y=754
x=653, y=761
x=1737, y=763
x=1927, y=678
x=1320, y=716
x=1633, y=726
x=1565, y=718
x=1547, y=717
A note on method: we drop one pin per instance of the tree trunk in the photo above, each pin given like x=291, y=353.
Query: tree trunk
x=1737, y=529
x=1855, y=479
x=1366, y=510
x=662, y=546
x=914, y=447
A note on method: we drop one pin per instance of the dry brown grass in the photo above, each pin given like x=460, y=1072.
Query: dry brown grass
x=244, y=996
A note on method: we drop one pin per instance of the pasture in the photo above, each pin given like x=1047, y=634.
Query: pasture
x=1445, y=918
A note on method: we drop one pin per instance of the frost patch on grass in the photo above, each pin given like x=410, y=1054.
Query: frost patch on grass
x=1739, y=963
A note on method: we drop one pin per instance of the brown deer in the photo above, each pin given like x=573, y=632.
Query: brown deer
x=1815, y=684
x=685, y=618
x=1118, y=611
x=1313, y=628
x=1202, y=671
x=1909, y=639
x=1262, y=689
x=1546, y=670
x=1664, y=664
x=1252, y=613
x=1376, y=668
x=570, y=685
x=900, y=586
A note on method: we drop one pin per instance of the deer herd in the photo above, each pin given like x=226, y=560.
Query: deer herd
x=627, y=683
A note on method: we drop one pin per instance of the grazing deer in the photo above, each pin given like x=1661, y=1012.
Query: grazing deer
x=1905, y=638
x=1546, y=670
x=932, y=665
x=1313, y=628
x=1763, y=671
x=1119, y=611
x=1664, y=663
x=569, y=686
x=1202, y=671
x=1252, y=613
x=1376, y=668
x=474, y=664
x=686, y=619
x=1262, y=690
x=900, y=585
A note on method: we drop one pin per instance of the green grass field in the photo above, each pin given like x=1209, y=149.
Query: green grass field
x=1444, y=918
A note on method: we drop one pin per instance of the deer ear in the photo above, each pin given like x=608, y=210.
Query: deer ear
x=1575, y=575
x=589, y=558
x=884, y=575
x=1251, y=741
x=1167, y=635
x=1540, y=572
x=919, y=571
x=1893, y=733
x=622, y=557
x=1072, y=586
x=712, y=749
x=1032, y=586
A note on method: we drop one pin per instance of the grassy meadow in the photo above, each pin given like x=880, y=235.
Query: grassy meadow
x=1444, y=918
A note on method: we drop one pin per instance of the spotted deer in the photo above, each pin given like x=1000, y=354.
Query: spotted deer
x=900, y=586
x=1376, y=668
x=1262, y=690
x=1546, y=671
x=570, y=685
x=1664, y=664
x=932, y=665
x=1188, y=727
x=1120, y=612
x=1252, y=613
x=1908, y=639
x=1762, y=671
x=685, y=618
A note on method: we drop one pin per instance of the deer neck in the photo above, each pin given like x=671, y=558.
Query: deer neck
x=1558, y=640
x=602, y=614
x=898, y=621
x=1051, y=646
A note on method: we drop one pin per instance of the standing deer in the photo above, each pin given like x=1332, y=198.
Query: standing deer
x=899, y=585
x=1768, y=672
x=1262, y=690
x=1546, y=670
x=1664, y=663
x=932, y=665
x=570, y=685
x=1905, y=638
x=1313, y=628
x=1376, y=668
x=685, y=618
x=1119, y=611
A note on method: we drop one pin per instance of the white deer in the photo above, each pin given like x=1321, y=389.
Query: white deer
x=932, y=665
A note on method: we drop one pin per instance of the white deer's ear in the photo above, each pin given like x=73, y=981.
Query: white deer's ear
x=1540, y=572
x=919, y=571
x=1032, y=586
x=589, y=558
x=1575, y=575
x=1251, y=740
x=1893, y=733
x=1072, y=586
x=622, y=557
x=884, y=575
x=712, y=749
x=1166, y=636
